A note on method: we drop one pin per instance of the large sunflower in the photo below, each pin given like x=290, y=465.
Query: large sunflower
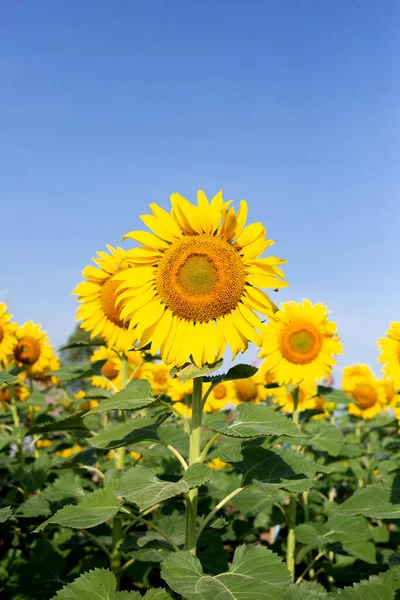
x=194, y=285
x=390, y=353
x=98, y=310
x=368, y=393
x=7, y=334
x=299, y=343
x=306, y=397
x=32, y=349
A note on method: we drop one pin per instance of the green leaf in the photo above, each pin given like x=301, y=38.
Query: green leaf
x=354, y=535
x=75, y=373
x=275, y=469
x=36, y=399
x=256, y=573
x=332, y=395
x=254, y=421
x=157, y=594
x=97, y=507
x=190, y=371
x=127, y=596
x=7, y=378
x=136, y=395
x=381, y=587
x=313, y=534
x=99, y=584
x=197, y=474
x=378, y=501
x=87, y=344
x=142, y=487
x=72, y=423
x=124, y=434
x=240, y=371
x=307, y=590
x=325, y=437
x=5, y=439
x=5, y=514
x=65, y=489
x=35, y=506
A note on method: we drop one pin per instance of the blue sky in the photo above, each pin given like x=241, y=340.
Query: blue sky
x=105, y=107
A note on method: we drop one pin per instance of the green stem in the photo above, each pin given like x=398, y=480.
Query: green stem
x=115, y=561
x=17, y=424
x=194, y=456
x=208, y=446
x=215, y=510
x=306, y=505
x=308, y=568
x=291, y=519
x=153, y=526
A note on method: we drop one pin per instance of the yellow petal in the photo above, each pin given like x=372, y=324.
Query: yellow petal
x=166, y=219
x=188, y=211
x=215, y=209
x=147, y=239
x=161, y=331
x=249, y=234
x=245, y=328
x=231, y=335
x=205, y=213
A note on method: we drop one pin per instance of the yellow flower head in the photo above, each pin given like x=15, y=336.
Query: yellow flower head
x=194, y=283
x=98, y=310
x=157, y=374
x=390, y=353
x=184, y=409
x=368, y=393
x=68, y=452
x=21, y=393
x=43, y=443
x=220, y=397
x=41, y=372
x=299, y=343
x=306, y=399
x=250, y=389
x=32, y=349
x=7, y=334
x=111, y=370
x=217, y=464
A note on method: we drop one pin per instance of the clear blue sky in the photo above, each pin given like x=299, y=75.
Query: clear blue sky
x=105, y=107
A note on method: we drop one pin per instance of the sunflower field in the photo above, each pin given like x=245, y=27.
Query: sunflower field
x=135, y=465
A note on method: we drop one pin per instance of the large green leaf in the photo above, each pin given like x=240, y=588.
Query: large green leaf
x=67, y=488
x=313, y=534
x=240, y=371
x=124, y=434
x=270, y=470
x=197, y=474
x=254, y=421
x=95, y=508
x=136, y=395
x=156, y=594
x=378, y=501
x=325, y=437
x=7, y=378
x=190, y=371
x=5, y=513
x=256, y=573
x=99, y=584
x=378, y=587
x=73, y=423
x=332, y=395
x=142, y=487
x=307, y=590
x=35, y=506
x=354, y=535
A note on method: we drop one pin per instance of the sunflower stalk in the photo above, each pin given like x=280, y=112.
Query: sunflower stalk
x=115, y=559
x=292, y=509
x=17, y=424
x=194, y=456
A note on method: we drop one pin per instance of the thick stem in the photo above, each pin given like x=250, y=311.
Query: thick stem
x=194, y=455
x=291, y=539
x=115, y=561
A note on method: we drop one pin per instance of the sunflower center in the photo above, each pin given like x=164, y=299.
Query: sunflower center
x=220, y=391
x=301, y=342
x=201, y=278
x=27, y=351
x=246, y=390
x=108, y=297
x=1, y=334
x=365, y=395
x=109, y=370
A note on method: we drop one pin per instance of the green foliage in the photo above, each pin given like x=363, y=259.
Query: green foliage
x=135, y=396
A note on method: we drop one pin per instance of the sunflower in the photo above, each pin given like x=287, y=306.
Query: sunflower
x=21, y=393
x=32, y=349
x=7, y=334
x=194, y=285
x=110, y=377
x=306, y=398
x=98, y=310
x=390, y=353
x=41, y=373
x=299, y=343
x=220, y=397
x=250, y=389
x=367, y=391
x=157, y=374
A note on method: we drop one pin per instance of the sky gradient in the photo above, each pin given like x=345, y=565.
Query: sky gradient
x=291, y=105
